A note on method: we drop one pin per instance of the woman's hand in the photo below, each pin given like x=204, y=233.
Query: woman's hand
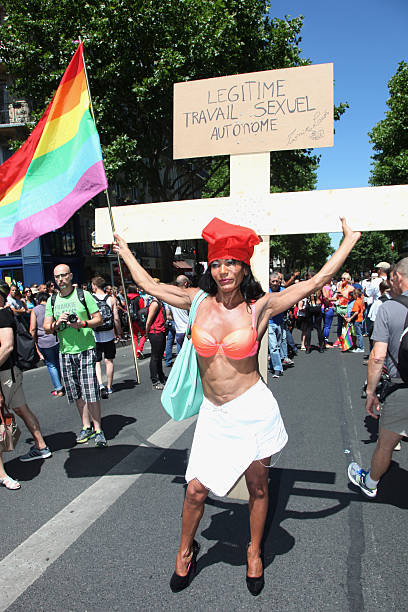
x=348, y=232
x=120, y=245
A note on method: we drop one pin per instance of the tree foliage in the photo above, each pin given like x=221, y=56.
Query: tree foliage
x=135, y=51
x=390, y=143
x=390, y=136
x=372, y=248
x=301, y=251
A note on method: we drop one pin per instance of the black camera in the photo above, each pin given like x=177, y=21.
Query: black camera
x=72, y=318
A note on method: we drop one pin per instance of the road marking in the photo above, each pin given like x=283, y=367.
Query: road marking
x=32, y=557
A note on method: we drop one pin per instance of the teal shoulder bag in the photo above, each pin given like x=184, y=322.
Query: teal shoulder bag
x=183, y=394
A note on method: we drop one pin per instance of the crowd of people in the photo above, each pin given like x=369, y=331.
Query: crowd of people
x=353, y=301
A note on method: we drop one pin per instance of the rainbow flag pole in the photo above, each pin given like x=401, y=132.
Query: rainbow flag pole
x=57, y=170
x=112, y=222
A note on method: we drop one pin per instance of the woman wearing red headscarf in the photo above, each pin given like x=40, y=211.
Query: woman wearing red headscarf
x=239, y=425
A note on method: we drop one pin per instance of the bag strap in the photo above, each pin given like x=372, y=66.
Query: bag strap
x=401, y=299
x=53, y=298
x=198, y=298
x=81, y=298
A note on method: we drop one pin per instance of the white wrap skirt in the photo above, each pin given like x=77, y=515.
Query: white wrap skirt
x=230, y=437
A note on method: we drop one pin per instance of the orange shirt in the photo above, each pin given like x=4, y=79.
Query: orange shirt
x=343, y=292
x=358, y=307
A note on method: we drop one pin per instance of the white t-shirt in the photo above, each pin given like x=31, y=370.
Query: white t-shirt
x=180, y=318
x=375, y=306
x=365, y=284
x=373, y=289
x=104, y=336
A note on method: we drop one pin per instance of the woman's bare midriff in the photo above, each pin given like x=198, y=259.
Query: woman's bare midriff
x=225, y=379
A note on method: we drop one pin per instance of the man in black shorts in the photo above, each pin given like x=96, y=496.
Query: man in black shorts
x=104, y=335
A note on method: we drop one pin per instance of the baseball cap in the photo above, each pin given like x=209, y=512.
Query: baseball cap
x=384, y=265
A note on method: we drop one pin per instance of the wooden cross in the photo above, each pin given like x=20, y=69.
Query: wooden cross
x=251, y=204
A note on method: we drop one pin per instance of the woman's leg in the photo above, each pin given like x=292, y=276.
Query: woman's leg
x=162, y=339
x=318, y=326
x=9, y=482
x=340, y=323
x=51, y=356
x=308, y=331
x=303, y=332
x=328, y=319
x=193, y=509
x=256, y=477
x=155, y=345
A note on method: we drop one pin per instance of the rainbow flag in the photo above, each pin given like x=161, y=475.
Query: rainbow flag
x=56, y=170
x=347, y=340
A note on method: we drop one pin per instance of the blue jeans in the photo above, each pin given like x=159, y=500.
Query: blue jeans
x=179, y=341
x=51, y=357
x=290, y=341
x=171, y=334
x=328, y=320
x=359, y=335
x=274, y=345
x=284, y=343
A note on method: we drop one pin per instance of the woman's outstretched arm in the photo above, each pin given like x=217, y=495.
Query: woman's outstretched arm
x=279, y=302
x=180, y=297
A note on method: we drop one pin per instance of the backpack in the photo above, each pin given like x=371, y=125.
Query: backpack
x=137, y=314
x=106, y=312
x=402, y=364
x=81, y=298
x=25, y=354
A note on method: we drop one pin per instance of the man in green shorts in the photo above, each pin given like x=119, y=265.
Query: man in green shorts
x=72, y=315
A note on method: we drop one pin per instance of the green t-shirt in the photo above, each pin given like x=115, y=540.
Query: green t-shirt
x=73, y=340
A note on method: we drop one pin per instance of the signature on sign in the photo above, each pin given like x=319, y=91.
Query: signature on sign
x=313, y=130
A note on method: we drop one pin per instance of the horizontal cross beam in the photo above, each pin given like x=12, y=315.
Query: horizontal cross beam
x=365, y=208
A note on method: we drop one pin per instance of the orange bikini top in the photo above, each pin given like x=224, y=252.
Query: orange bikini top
x=238, y=344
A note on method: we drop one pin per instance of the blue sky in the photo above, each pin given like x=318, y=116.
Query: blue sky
x=365, y=40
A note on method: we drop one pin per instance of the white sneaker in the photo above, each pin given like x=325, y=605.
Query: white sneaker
x=357, y=476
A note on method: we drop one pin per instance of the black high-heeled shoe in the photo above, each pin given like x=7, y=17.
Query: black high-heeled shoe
x=179, y=583
x=255, y=585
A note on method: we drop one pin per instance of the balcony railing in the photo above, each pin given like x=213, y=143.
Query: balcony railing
x=15, y=113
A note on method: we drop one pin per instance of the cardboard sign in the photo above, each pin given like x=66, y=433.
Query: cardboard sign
x=291, y=108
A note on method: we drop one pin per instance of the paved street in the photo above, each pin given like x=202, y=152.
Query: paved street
x=97, y=529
